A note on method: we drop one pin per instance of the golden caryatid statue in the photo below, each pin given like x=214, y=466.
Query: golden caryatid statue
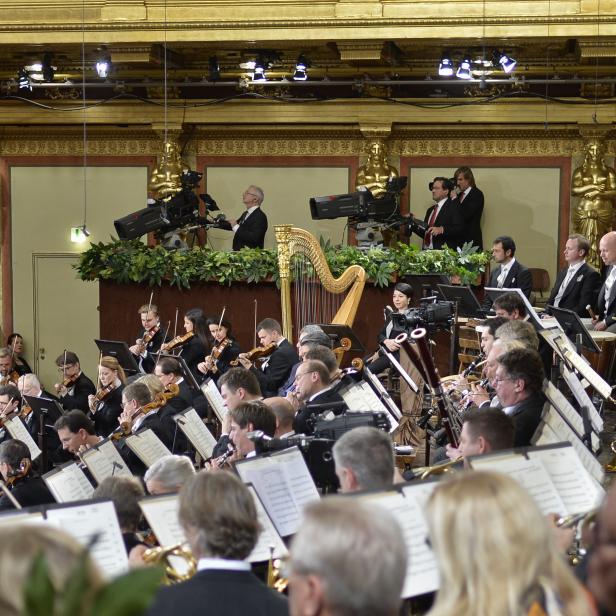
x=166, y=179
x=595, y=183
x=375, y=173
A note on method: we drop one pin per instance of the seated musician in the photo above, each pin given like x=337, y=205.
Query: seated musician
x=522, y=331
x=76, y=432
x=224, y=350
x=285, y=415
x=237, y=386
x=510, y=306
x=168, y=474
x=150, y=338
x=364, y=460
x=219, y=519
x=10, y=402
x=313, y=386
x=483, y=431
x=245, y=418
x=169, y=371
x=25, y=486
x=277, y=367
x=341, y=544
x=75, y=387
x=402, y=300
x=195, y=344
x=8, y=374
x=106, y=404
x=15, y=343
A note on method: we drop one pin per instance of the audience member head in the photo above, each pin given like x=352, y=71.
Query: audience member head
x=238, y=385
x=509, y=305
x=494, y=549
x=485, y=430
x=218, y=516
x=168, y=474
x=269, y=331
x=15, y=342
x=312, y=376
x=248, y=417
x=124, y=493
x=519, y=375
x=607, y=248
x=522, y=331
x=152, y=382
x=109, y=370
x=464, y=178
x=503, y=249
x=325, y=355
x=75, y=430
x=284, y=412
x=488, y=332
x=364, y=459
x=347, y=559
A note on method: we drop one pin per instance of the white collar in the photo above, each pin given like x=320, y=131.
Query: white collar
x=441, y=202
x=250, y=210
x=508, y=266
x=465, y=192
x=319, y=393
x=576, y=266
x=205, y=564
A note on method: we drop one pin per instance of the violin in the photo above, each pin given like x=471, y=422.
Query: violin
x=68, y=382
x=257, y=353
x=11, y=377
x=178, y=341
x=103, y=392
x=22, y=414
x=19, y=473
x=147, y=337
x=219, y=349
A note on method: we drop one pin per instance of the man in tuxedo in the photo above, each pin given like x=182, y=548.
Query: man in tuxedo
x=150, y=338
x=169, y=372
x=510, y=273
x=313, y=387
x=443, y=220
x=277, y=367
x=470, y=202
x=75, y=394
x=219, y=519
x=76, y=432
x=606, y=319
x=250, y=228
x=578, y=285
x=510, y=306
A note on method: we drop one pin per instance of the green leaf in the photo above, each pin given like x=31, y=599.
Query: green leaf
x=39, y=593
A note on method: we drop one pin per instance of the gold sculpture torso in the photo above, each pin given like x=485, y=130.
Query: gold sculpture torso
x=595, y=183
x=166, y=179
x=375, y=173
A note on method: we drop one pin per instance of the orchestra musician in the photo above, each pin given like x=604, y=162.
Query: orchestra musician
x=8, y=374
x=168, y=474
x=76, y=432
x=402, y=300
x=75, y=387
x=284, y=413
x=194, y=345
x=15, y=342
x=16, y=468
x=224, y=349
x=150, y=338
x=106, y=405
x=10, y=402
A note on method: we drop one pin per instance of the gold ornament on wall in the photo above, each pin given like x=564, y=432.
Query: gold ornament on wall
x=595, y=183
x=374, y=174
x=166, y=179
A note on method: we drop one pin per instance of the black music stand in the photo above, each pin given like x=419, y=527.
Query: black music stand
x=574, y=328
x=186, y=372
x=464, y=298
x=338, y=332
x=46, y=413
x=119, y=350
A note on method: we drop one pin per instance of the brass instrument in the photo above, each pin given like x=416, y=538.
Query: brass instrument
x=275, y=577
x=155, y=556
x=610, y=467
x=582, y=522
x=437, y=469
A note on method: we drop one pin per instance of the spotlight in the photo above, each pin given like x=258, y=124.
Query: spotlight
x=445, y=67
x=259, y=74
x=102, y=67
x=79, y=234
x=507, y=63
x=23, y=80
x=464, y=70
x=213, y=68
x=301, y=65
x=47, y=69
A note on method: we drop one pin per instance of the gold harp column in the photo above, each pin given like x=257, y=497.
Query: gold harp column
x=283, y=237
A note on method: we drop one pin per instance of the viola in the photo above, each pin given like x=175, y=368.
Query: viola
x=257, y=353
x=178, y=341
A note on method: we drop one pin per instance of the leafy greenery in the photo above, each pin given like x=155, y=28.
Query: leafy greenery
x=133, y=261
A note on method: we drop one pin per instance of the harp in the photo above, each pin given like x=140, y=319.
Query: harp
x=317, y=295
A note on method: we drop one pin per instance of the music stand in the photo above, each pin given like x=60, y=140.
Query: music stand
x=338, y=332
x=463, y=296
x=574, y=328
x=45, y=411
x=494, y=293
x=186, y=372
x=119, y=350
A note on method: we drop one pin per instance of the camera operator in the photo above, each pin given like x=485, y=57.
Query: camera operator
x=250, y=228
x=402, y=301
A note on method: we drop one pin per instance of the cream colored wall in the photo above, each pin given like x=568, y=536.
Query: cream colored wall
x=287, y=192
x=45, y=203
x=520, y=202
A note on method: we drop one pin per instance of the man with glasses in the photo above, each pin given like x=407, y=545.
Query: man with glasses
x=74, y=386
x=250, y=228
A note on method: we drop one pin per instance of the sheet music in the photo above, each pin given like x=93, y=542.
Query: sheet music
x=91, y=519
x=361, y=397
x=69, y=483
x=104, y=460
x=212, y=395
x=268, y=535
x=298, y=476
x=196, y=432
x=583, y=399
x=422, y=570
x=530, y=474
x=147, y=446
x=17, y=429
x=576, y=487
x=568, y=413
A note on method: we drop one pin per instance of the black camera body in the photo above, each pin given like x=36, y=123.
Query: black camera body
x=438, y=315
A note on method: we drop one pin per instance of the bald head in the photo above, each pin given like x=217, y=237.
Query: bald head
x=607, y=248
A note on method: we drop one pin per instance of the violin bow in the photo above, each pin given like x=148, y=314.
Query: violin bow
x=255, y=327
x=160, y=348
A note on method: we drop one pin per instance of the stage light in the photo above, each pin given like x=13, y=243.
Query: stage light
x=507, y=63
x=102, y=67
x=79, y=234
x=464, y=70
x=445, y=67
x=301, y=65
x=23, y=80
x=259, y=74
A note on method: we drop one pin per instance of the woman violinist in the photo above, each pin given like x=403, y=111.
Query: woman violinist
x=15, y=342
x=106, y=404
x=194, y=345
x=225, y=349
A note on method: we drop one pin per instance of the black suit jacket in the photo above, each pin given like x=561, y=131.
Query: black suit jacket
x=251, y=231
x=107, y=413
x=77, y=398
x=29, y=492
x=148, y=362
x=526, y=417
x=471, y=209
x=609, y=315
x=303, y=422
x=219, y=593
x=277, y=369
x=193, y=353
x=518, y=276
x=450, y=218
x=582, y=290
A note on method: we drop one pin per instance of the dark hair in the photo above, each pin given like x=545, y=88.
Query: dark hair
x=447, y=183
x=405, y=288
x=494, y=425
x=255, y=413
x=139, y=392
x=524, y=364
x=466, y=173
x=240, y=377
x=270, y=325
x=13, y=451
x=124, y=493
x=493, y=324
x=74, y=421
x=200, y=329
x=11, y=391
x=324, y=355
x=170, y=365
x=9, y=340
x=224, y=323
x=582, y=242
x=507, y=242
x=67, y=358
x=315, y=365
x=510, y=302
